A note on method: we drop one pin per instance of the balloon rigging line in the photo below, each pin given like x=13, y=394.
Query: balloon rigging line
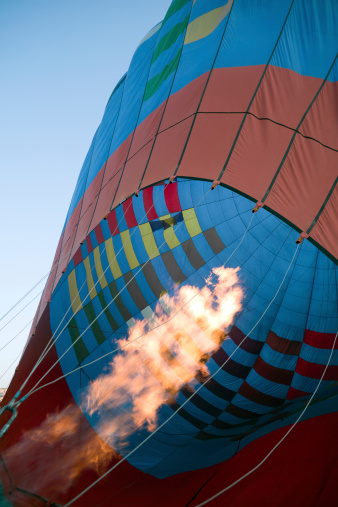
x=150, y=330
x=15, y=401
x=22, y=309
x=190, y=397
x=10, y=341
x=280, y=441
x=53, y=340
x=123, y=288
x=24, y=297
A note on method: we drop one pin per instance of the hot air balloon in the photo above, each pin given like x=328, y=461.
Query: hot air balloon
x=215, y=163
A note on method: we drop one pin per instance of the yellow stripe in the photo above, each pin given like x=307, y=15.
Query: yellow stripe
x=90, y=281
x=191, y=222
x=114, y=267
x=149, y=240
x=128, y=250
x=98, y=266
x=171, y=238
x=203, y=25
x=74, y=292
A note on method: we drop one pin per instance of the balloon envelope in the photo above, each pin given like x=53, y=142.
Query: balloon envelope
x=238, y=96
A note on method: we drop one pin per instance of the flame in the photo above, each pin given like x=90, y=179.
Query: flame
x=183, y=332
x=57, y=452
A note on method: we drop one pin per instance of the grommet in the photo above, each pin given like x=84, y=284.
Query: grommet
x=259, y=204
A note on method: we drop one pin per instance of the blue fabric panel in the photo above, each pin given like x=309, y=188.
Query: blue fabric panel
x=120, y=255
x=82, y=180
x=105, y=134
x=183, y=261
x=318, y=356
x=157, y=99
x=278, y=359
x=133, y=92
x=143, y=284
x=250, y=21
x=139, y=210
x=309, y=41
x=105, y=230
x=240, y=356
x=93, y=239
x=112, y=307
x=197, y=57
x=159, y=201
x=308, y=385
x=87, y=336
x=138, y=246
x=126, y=297
x=267, y=386
x=166, y=57
x=193, y=410
x=174, y=19
x=121, y=221
x=246, y=404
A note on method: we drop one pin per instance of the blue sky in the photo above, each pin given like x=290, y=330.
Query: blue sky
x=60, y=61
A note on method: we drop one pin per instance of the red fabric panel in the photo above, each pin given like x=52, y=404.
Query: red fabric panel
x=284, y=96
x=210, y=141
x=313, y=370
x=84, y=223
x=257, y=154
x=325, y=229
x=148, y=202
x=183, y=103
x=129, y=215
x=112, y=223
x=117, y=160
x=77, y=257
x=99, y=234
x=320, y=340
x=105, y=199
x=304, y=182
x=166, y=153
x=146, y=131
x=295, y=393
x=132, y=174
x=68, y=237
x=171, y=198
x=321, y=122
x=231, y=89
x=89, y=244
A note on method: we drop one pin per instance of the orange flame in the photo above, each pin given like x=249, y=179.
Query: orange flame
x=182, y=333
x=150, y=370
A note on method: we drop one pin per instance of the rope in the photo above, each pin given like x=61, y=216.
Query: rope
x=10, y=341
x=94, y=320
x=190, y=397
x=280, y=441
x=22, y=309
x=53, y=340
x=150, y=330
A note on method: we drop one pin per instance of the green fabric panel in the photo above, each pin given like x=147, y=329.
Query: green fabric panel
x=169, y=38
x=154, y=83
x=110, y=318
x=79, y=345
x=118, y=301
x=175, y=6
x=91, y=316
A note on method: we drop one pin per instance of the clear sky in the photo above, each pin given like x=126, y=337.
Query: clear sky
x=59, y=62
